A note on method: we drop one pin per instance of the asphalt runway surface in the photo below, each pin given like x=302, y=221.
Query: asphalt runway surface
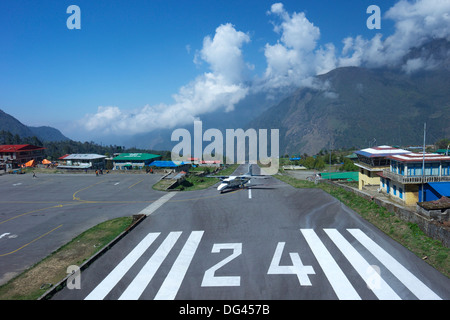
x=39, y=215
x=267, y=242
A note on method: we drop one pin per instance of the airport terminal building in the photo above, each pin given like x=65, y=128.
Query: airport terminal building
x=82, y=161
x=129, y=161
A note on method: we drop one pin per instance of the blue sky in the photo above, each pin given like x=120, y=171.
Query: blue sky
x=130, y=58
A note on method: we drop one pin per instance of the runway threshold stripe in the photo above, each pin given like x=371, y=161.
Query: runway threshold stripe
x=141, y=281
x=158, y=203
x=417, y=287
x=341, y=285
x=119, y=271
x=172, y=283
x=382, y=290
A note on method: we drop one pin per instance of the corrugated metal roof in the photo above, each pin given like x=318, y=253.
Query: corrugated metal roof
x=136, y=156
x=443, y=188
x=167, y=164
x=381, y=151
x=418, y=157
x=84, y=156
x=350, y=176
x=19, y=147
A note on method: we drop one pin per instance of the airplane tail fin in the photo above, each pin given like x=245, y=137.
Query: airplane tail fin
x=250, y=171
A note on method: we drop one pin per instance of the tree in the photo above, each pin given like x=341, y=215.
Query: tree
x=308, y=162
x=442, y=144
x=348, y=165
x=319, y=164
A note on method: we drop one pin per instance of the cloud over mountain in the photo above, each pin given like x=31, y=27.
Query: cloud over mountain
x=294, y=60
x=415, y=23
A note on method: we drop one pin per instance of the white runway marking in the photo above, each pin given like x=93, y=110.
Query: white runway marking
x=119, y=271
x=383, y=291
x=338, y=278
x=341, y=285
x=172, y=283
x=138, y=285
x=416, y=286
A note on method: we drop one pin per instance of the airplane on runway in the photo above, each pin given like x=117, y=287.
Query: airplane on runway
x=235, y=182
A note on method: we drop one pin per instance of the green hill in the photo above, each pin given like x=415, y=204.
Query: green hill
x=10, y=124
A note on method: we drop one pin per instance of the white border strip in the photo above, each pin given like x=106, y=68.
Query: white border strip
x=157, y=204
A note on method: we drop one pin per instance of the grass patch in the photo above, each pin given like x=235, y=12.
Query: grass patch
x=34, y=282
x=195, y=182
x=407, y=234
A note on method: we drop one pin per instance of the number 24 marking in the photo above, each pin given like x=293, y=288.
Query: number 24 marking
x=297, y=267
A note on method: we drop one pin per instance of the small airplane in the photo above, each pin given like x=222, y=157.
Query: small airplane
x=235, y=182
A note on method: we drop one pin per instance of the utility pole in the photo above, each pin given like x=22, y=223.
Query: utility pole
x=423, y=158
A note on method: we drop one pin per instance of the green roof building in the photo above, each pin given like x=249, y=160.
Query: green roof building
x=347, y=176
x=442, y=151
x=128, y=161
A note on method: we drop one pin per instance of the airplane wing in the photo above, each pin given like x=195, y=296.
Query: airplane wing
x=219, y=177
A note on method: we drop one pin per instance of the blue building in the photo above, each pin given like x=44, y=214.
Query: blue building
x=415, y=177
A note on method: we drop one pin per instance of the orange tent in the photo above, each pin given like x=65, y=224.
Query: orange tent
x=30, y=163
x=45, y=161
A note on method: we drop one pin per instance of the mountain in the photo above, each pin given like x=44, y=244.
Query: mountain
x=356, y=106
x=44, y=133
x=246, y=110
x=48, y=134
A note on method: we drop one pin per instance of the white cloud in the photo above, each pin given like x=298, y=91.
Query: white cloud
x=295, y=57
x=224, y=53
x=221, y=88
x=293, y=60
x=415, y=23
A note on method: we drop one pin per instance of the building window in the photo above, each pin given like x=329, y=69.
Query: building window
x=428, y=169
x=446, y=169
x=400, y=193
x=395, y=190
x=435, y=169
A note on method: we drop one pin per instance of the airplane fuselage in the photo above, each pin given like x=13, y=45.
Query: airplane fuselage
x=232, y=182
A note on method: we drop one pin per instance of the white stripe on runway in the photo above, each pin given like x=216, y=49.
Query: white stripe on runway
x=341, y=285
x=416, y=286
x=382, y=290
x=249, y=193
x=141, y=281
x=172, y=283
x=158, y=203
x=119, y=271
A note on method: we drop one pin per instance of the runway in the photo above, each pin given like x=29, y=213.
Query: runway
x=270, y=242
